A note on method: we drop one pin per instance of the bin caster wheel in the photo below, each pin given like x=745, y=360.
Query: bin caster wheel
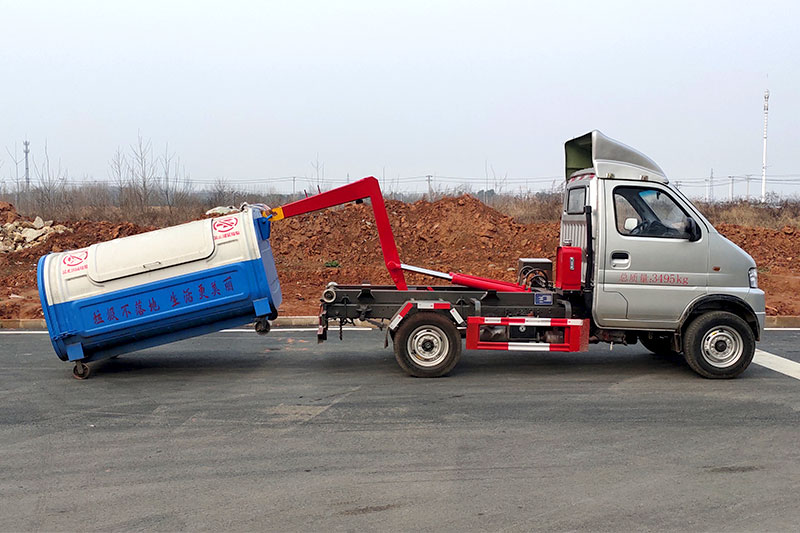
x=81, y=371
x=262, y=326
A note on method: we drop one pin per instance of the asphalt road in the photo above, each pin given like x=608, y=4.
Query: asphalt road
x=239, y=432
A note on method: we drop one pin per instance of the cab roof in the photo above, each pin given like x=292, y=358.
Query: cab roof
x=610, y=159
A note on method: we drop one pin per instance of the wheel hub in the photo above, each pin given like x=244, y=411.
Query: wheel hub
x=428, y=346
x=722, y=347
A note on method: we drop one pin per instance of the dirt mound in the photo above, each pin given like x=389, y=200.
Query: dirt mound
x=8, y=213
x=453, y=234
x=18, y=294
x=769, y=247
x=777, y=254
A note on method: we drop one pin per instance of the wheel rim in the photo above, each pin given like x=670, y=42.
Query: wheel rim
x=428, y=346
x=722, y=347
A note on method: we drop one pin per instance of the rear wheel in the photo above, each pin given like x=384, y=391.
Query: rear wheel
x=719, y=345
x=427, y=345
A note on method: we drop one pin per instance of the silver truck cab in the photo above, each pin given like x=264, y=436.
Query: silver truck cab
x=655, y=267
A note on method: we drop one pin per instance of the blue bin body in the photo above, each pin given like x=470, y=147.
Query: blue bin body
x=158, y=304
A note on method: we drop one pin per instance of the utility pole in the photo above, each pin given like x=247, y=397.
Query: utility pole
x=730, y=190
x=764, y=154
x=747, y=187
x=430, y=189
x=710, y=187
x=293, y=180
x=26, y=150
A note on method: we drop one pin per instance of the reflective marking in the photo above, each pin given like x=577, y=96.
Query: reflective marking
x=23, y=332
x=781, y=329
x=529, y=346
x=778, y=364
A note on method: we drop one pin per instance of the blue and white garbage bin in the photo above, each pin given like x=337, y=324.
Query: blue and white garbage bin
x=162, y=286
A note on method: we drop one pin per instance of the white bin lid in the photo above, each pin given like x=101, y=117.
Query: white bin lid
x=151, y=251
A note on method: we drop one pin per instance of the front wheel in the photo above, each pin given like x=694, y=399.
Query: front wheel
x=427, y=345
x=719, y=345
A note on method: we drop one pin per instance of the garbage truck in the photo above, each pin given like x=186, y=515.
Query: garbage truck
x=636, y=262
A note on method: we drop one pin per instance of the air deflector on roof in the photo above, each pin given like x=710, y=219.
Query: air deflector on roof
x=609, y=157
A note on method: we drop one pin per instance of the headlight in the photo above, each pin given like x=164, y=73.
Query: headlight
x=753, y=275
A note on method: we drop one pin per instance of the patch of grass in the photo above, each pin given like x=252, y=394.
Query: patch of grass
x=332, y=264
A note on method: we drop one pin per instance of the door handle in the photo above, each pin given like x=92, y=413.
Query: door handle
x=620, y=259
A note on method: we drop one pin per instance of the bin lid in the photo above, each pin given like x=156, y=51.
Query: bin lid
x=150, y=251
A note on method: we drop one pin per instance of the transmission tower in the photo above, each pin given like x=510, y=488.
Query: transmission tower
x=764, y=153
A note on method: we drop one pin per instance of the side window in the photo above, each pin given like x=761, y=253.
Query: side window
x=647, y=212
x=576, y=200
x=624, y=212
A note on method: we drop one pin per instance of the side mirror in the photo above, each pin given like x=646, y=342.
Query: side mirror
x=630, y=223
x=693, y=230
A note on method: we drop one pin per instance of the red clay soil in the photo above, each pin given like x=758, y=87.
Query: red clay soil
x=777, y=253
x=453, y=234
x=18, y=269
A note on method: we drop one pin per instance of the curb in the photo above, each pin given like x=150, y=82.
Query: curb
x=283, y=321
x=783, y=322
x=308, y=321
x=23, y=323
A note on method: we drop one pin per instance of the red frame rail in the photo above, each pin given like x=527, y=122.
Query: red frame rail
x=576, y=334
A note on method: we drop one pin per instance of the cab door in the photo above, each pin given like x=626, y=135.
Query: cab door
x=654, y=259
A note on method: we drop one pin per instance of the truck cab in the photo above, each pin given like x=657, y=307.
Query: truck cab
x=654, y=268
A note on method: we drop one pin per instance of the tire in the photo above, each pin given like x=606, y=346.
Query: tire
x=719, y=345
x=659, y=345
x=427, y=345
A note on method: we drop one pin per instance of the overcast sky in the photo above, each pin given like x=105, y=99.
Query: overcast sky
x=248, y=90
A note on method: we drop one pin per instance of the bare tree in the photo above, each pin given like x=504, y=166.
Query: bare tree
x=221, y=193
x=119, y=172
x=142, y=168
x=499, y=183
x=50, y=184
x=174, y=186
x=3, y=191
x=17, y=161
x=318, y=168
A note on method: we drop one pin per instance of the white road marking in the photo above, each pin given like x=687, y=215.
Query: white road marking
x=23, y=332
x=786, y=367
x=782, y=329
